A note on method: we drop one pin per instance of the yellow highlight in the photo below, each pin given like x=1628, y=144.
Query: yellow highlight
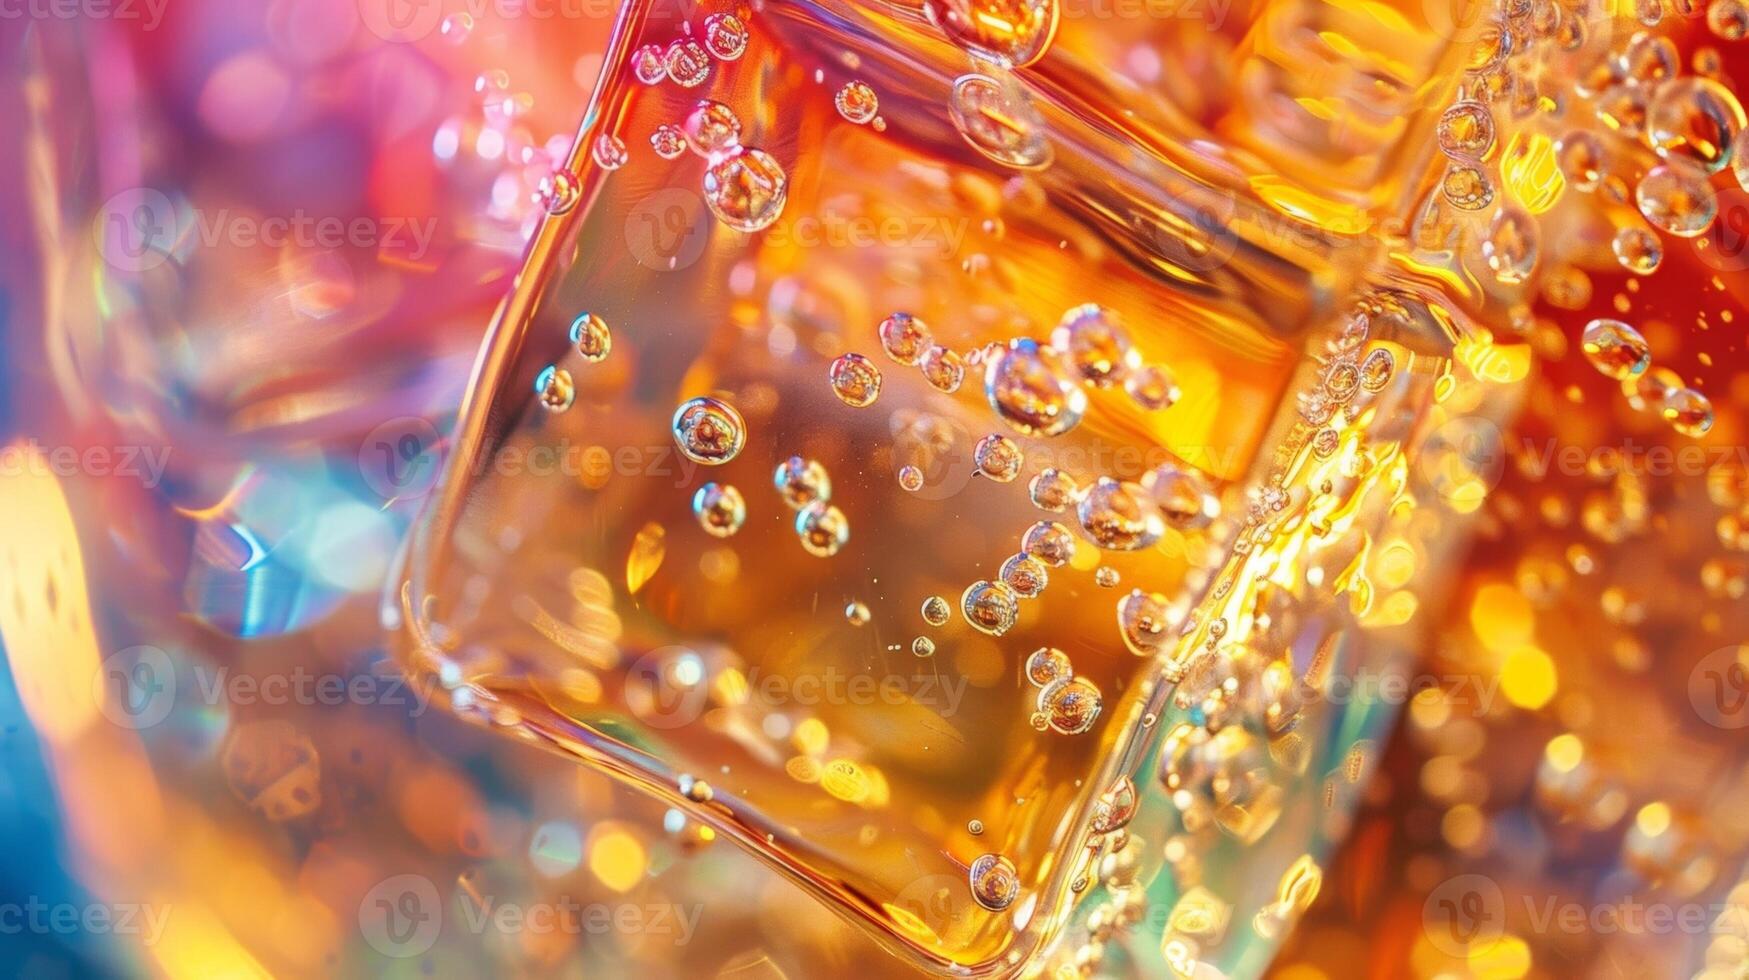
x=51, y=645
x=1502, y=618
x=1564, y=752
x=1653, y=819
x=617, y=859
x=1528, y=678
x=1507, y=959
x=1532, y=175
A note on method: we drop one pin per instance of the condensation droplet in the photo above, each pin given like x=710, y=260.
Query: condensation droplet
x=1688, y=412
x=923, y=646
x=855, y=380
x=1026, y=575
x=994, y=882
x=1105, y=577
x=725, y=36
x=1466, y=131
x=904, y=337
x=1052, y=490
x=711, y=128
x=801, y=482
x=1049, y=542
x=648, y=64
x=1615, y=349
x=1047, y=666
x=1676, y=198
x=991, y=607
x=1032, y=391
x=555, y=388
x=609, y=152
x=1119, y=516
x=709, y=430
x=910, y=478
x=1071, y=708
x=998, y=120
x=720, y=509
x=943, y=369
x=1152, y=386
x=822, y=528
x=668, y=141
x=856, y=614
x=1090, y=337
x=746, y=189
x=998, y=457
x=1696, y=121
x=687, y=63
x=1637, y=250
x=591, y=338
x=1467, y=188
x=857, y=102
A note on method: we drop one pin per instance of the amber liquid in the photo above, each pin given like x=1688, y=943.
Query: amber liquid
x=562, y=588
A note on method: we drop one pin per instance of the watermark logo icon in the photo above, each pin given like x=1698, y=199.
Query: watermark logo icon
x=1464, y=914
x=136, y=229
x=668, y=687
x=1718, y=687
x=668, y=230
x=401, y=21
x=401, y=458
x=401, y=916
x=136, y=688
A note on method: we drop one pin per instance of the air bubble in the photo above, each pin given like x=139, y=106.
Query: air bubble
x=855, y=380
x=709, y=430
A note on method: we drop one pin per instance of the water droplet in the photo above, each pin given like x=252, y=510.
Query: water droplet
x=1047, y=666
x=991, y=607
x=1688, y=412
x=1143, y=619
x=1152, y=386
x=1615, y=349
x=1013, y=33
x=1466, y=131
x=609, y=152
x=1033, y=392
x=1119, y=515
x=559, y=192
x=668, y=141
x=822, y=528
x=456, y=27
x=856, y=614
x=1580, y=156
x=1026, y=575
x=1676, y=198
x=709, y=430
x=994, y=882
x=910, y=478
x=975, y=827
x=857, y=102
x=999, y=121
x=746, y=189
x=1377, y=369
x=1649, y=59
x=1116, y=806
x=590, y=336
x=687, y=62
x=936, y=611
x=1637, y=250
x=1467, y=188
x=711, y=128
x=904, y=337
x=1728, y=19
x=998, y=458
x=855, y=380
x=1052, y=490
x=720, y=509
x=696, y=790
x=1511, y=246
x=648, y=65
x=1182, y=496
x=943, y=369
x=1093, y=341
x=1695, y=121
x=801, y=482
x=725, y=36
x=1105, y=577
x=556, y=389
x=1071, y=708
x=1049, y=542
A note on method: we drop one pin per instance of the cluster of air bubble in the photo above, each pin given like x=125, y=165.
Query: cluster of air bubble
x=806, y=488
x=494, y=132
x=1628, y=126
x=1618, y=352
x=1067, y=703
